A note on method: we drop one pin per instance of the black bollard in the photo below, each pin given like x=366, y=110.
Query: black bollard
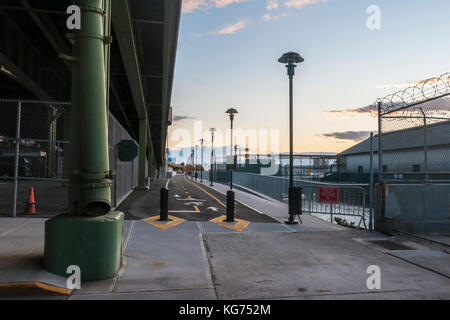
x=230, y=206
x=164, y=205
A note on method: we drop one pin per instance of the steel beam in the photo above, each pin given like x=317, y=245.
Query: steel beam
x=45, y=24
x=121, y=107
x=24, y=68
x=23, y=79
x=172, y=12
x=121, y=17
x=142, y=154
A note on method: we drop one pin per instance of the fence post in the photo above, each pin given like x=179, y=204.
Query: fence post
x=370, y=185
x=331, y=212
x=425, y=144
x=310, y=198
x=16, y=158
x=380, y=146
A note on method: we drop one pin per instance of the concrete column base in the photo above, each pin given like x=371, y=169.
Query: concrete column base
x=93, y=244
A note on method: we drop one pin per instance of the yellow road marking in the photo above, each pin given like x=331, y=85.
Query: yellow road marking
x=25, y=288
x=238, y=227
x=209, y=194
x=163, y=226
x=196, y=209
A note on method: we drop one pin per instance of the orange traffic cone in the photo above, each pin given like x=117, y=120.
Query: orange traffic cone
x=31, y=205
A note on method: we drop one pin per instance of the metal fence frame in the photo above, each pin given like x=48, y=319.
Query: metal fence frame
x=17, y=140
x=414, y=107
x=397, y=106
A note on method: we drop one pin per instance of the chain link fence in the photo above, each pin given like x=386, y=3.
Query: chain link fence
x=33, y=143
x=414, y=144
x=34, y=140
x=126, y=172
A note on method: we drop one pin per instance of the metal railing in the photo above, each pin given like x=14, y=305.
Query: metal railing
x=352, y=204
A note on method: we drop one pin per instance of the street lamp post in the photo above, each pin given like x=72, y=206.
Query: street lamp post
x=230, y=193
x=231, y=112
x=196, y=163
x=291, y=59
x=211, y=173
x=201, y=159
x=192, y=162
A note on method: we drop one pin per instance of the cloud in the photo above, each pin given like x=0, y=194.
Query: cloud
x=177, y=118
x=233, y=28
x=272, y=4
x=190, y=6
x=269, y=17
x=301, y=3
x=347, y=135
x=193, y=5
x=409, y=83
x=229, y=29
x=224, y=3
x=354, y=111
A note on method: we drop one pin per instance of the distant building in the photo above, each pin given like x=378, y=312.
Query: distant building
x=403, y=152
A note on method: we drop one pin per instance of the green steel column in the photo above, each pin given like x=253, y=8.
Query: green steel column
x=151, y=163
x=92, y=110
x=142, y=154
x=90, y=236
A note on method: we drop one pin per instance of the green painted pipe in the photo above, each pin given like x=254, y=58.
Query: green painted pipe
x=142, y=153
x=91, y=104
x=74, y=158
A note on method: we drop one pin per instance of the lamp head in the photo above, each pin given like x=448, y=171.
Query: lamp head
x=231, y=112
x=291, y=58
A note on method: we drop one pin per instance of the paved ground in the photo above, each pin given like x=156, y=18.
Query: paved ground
x=50, y=197
x=188, y=200
x=200, y=259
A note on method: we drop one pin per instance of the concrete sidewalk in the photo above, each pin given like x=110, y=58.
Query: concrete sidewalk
x=206, y=260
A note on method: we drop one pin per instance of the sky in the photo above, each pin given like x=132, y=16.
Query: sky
x=227, y=57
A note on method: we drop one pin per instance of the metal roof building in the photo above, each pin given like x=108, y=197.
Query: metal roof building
x=403, y=150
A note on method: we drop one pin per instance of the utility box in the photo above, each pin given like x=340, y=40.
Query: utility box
x=295, y=201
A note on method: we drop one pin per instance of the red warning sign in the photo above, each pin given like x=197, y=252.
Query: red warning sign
x=328, y=195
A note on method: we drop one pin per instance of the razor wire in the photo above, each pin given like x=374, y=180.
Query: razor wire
x=427, y=99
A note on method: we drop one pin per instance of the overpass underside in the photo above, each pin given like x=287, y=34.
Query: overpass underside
x=139, y=63
x=119, y=61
